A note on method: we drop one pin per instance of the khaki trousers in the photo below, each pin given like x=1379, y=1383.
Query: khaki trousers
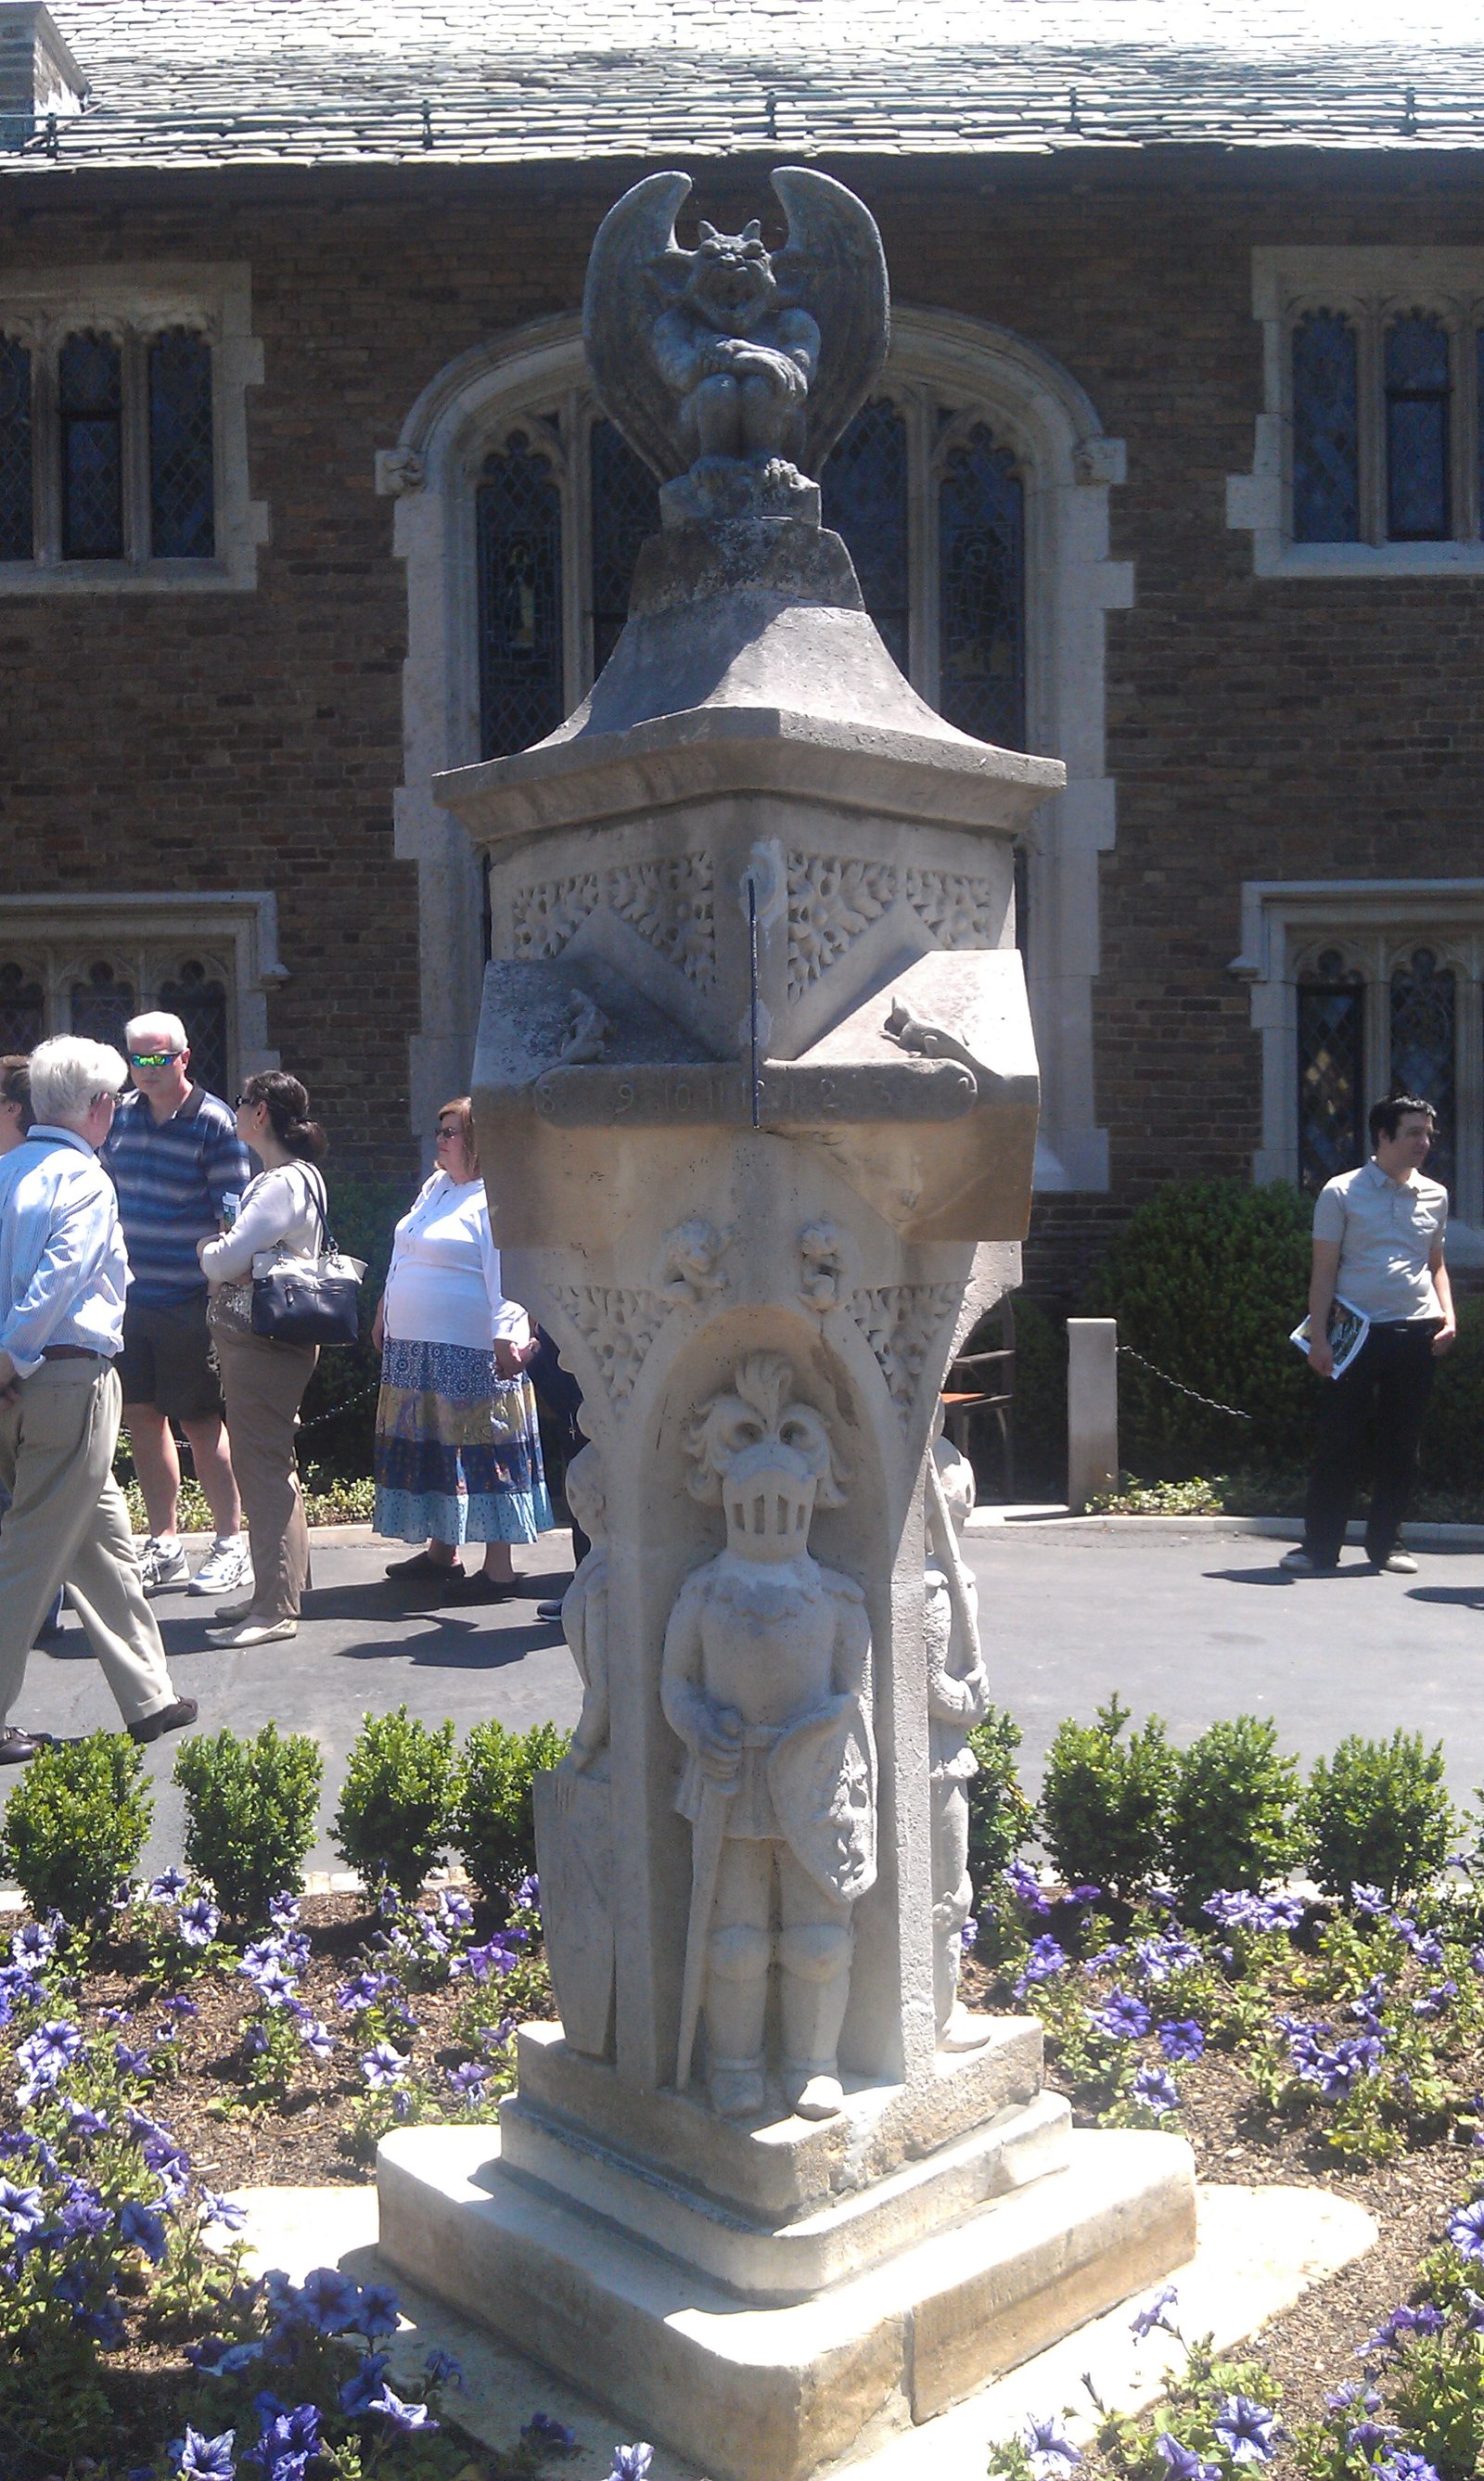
x=68, y=1524
x=263, y=1383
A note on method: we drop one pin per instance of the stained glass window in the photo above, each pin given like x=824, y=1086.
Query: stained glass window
x=1326, y=451
x=981, y=622
x=200, y=1002
x=864, y=499
x=182, y=480
x=22, y=1009
x=625, y=512
x=91, y=412
x=1330, y=1058
x=518, y=532
x=16, y=539
x=101, y=1006
x=1425, y=1048
x=1416, y=430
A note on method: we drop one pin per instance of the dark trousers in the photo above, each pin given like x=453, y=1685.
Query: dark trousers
x=561, y=1400
x=1373, y=1415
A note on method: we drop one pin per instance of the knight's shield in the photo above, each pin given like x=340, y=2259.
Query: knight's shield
x=574, y=1861
x=822, y=1778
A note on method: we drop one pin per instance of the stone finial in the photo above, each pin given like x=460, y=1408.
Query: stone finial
x=732, y=365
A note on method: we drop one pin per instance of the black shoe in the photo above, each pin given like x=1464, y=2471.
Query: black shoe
x=169, y=1718
x=548, y=1611
x=421, y=1570
x=16, y=1746
x=480, y=1588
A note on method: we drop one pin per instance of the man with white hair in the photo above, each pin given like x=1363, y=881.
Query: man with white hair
x=63, y=1271
x=175, y=1159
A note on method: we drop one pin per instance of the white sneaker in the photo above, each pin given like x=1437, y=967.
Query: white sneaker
x=1400, y=1564
x=163, y=1563
x=226, y=1569
x=1301, y=1565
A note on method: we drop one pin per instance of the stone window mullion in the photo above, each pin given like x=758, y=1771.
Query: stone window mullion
x=136, y=447
x=47, y=449
x=1463, y=433
x=1371, y=406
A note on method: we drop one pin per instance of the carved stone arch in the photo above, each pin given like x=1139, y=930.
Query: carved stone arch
x=1068, y=464
x=1449, y=955
x=1334, y=958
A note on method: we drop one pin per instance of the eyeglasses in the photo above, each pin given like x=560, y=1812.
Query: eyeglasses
x=445, y=1137
x=247, y=1102
x=153, y=1059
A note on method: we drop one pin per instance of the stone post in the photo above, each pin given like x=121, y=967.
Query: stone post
x=1092, y=1410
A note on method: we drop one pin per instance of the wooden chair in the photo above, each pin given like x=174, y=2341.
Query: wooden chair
x=980, y=1391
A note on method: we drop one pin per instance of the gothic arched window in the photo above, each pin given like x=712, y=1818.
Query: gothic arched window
x=518, y=523
x=90, y=385
x=1326, y=433
x=17, y=524
x=1416, y=430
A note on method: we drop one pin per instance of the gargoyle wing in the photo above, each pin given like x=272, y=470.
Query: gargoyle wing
x=635, y=271
x=834, y=267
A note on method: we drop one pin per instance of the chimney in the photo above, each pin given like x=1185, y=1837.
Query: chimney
x=39, y=78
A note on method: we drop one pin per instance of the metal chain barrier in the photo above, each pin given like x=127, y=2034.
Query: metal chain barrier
x=1181, y=1389
x=347, y=1404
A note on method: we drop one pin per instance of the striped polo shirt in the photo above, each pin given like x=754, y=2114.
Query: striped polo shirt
x=172, y=1176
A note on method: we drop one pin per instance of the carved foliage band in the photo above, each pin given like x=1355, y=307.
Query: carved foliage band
x=902, y=1322
x=832, y=900
x=670, y=903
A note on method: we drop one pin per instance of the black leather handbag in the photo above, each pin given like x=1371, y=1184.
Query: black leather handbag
x=308, y=1300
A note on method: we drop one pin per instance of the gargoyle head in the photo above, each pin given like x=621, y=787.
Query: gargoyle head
x=732, y=277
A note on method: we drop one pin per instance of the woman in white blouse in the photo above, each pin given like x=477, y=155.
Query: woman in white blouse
x=458, y=1449
x=263, y=1380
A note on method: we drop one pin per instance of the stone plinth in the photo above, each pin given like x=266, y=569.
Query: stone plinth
x=771, y=2393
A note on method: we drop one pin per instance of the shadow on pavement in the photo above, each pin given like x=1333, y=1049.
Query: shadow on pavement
x=1469, y=1597
x=1282, y=1576
x=464, y=1644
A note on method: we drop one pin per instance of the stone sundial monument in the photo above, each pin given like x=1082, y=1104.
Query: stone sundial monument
x=756, y=1085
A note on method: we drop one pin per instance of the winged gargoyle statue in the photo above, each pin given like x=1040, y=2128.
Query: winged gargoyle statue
x=731, y=354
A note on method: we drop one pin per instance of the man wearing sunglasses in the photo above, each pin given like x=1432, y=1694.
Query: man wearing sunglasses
x=175, y=1158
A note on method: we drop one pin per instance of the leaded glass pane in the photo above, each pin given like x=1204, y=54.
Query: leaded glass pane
x=1424, y=1049
x=1331, y=1051
x=1416, y=430
x=200, y=1004
x=22, y=1009
x=518, y=532
x=1326, y=438
x=102, y=1006
x=864, y=499
x=182, y=481
x=982, y=622
x=90, y=390
x=16, y=540
x=625, y=512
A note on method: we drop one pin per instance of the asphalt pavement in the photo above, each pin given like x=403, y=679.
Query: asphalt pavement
x=1190, y=1626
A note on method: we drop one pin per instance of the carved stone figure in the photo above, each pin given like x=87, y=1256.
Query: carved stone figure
x=588, y=1031
x=957, y=1698
x=731, y=354
x=574, y=1801
x=766, y=1679
x=688, y=1259
x=825, y=1263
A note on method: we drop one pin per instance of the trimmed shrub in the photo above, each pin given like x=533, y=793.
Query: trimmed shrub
x=1234, y=1810
x=1455, y=1417
x=1207, y=1280
x=250, y=1812
x=1377, y=1814
x=76, y=1824
x=494, y=1828
x=1001, y=1819
x=396, y=1809
x=1105, y=1801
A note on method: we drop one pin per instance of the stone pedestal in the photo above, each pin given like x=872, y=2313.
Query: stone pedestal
x=756, y=1096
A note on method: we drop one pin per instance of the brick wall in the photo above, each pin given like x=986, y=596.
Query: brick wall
x=1256, y=728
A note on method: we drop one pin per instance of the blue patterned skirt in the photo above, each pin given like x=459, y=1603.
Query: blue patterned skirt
x=459, y=1451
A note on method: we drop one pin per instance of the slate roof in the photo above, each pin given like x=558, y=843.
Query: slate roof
x=253, y=83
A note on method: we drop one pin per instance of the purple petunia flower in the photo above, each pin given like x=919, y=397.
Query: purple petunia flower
x=170, y=1884
x=544, y=2430
x=329, y=2301
x=21, y=2208
x=1433, y=2002
x=206, y=2459
x=968, y=1936
x=441, y=2369
x=1026, y=1889
x=231, y=2216
x=358, y=2393
x=315, y=2036
x=1156, y=1958
x=1393, y=2332
x=1144, y=2320
x=1367, y=1899
x=1122, y=2016
x=361, y=1991
x=1183, y=2461
x=33, y=1945
x=45, y=2054
x=1405, y=2466
x=197, y=1922
x=1182, y=2040
x=141, y=2227
x=130, y=2062
x=1044, y=1962
x=283, y=1909
x=631, y=2463
x=1247, y=2430
x=528, y=1894
x=455, y=1909
x=401, y=2415
x=380, y=2311
x=382, y=2067
x=1051, y=2451
x=1465, y=2229
x=468, y=2080
x=1156, y=2088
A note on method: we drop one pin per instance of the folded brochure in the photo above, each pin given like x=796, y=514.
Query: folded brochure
x=1348, y=1328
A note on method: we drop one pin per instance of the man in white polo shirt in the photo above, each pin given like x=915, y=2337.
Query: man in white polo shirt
x=1378, y=1243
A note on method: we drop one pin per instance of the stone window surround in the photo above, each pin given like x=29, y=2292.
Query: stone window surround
x=1369, y=921
x=1372, y=285
x=1070, y=465
x=40, y=306
x=61, y=935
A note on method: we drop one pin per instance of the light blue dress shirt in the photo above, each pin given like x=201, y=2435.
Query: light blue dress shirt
x=64, y=1268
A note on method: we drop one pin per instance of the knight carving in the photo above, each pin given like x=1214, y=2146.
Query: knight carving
x=957, y=1698
x=766, y=1681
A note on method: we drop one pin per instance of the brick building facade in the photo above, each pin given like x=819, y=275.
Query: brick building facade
x=227, y=682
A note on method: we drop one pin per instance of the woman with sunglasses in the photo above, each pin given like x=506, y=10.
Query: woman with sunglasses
x=458, y=1449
